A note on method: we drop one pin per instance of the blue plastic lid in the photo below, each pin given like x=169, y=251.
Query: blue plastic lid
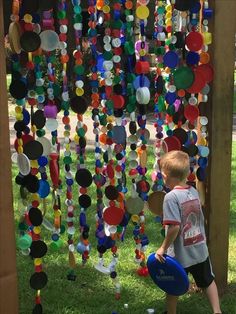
x=169, y=276
x=141, y=81
x=192, y=58
x=44, y=188
x=171, y=59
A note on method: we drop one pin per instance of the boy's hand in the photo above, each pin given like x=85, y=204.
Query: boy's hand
x=159, y=255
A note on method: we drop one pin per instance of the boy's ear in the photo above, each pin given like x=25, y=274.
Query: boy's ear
x=164, y=175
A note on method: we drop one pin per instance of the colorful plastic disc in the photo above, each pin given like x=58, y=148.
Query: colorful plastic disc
x=172, y=143
x=138, y=45
x=78, y=104
x=141, y=81
x=111, y=192
x=38, y=280
x=38, y=249
x=155, y=202
x=49, y=40
x=192, y=58
x=118, y=101
x=35, y=216
x=191, y=113
x=194, y=41
x=113, y=215
x=23, y=164
x=33, y=150
x=207, y=71
x=83, y=177
x=85, y=200
x=169, y=276
x=181, y=134
x=38, y=119
x=47, y=146
x=44, y=188
x=30, y=41
x=183, y=77
x=134, y=205
x=142, y=12
x=18, y=89
x=171, y=59
x=31, y=183
x=14, y=34
x=119, y=135
x=198, y=83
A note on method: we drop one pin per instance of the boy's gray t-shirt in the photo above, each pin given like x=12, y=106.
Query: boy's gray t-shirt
x=182, y=207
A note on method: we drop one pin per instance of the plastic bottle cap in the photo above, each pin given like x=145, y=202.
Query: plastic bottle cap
x=143, y=95
x=142, y=12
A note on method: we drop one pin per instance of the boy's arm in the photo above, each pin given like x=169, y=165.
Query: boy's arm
x=171, y=235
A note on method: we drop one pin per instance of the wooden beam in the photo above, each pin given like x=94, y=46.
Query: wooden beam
x=8, y=274
x=220, y=136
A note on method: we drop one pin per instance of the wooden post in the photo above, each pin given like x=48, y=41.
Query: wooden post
x=220, y=136
x=8, y=274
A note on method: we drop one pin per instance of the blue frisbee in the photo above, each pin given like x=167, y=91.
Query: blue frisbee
x=169, y=276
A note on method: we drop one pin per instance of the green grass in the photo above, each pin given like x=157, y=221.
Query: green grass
x=92, y=292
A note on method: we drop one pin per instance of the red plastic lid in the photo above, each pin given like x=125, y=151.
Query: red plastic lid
x=198, y=83
x=110, y=171
x=113, y=215
x=108, y=90
x=117, y=51
x=194, y=41
x=191, y=113
x=207, y=71
x=142, y=67
x=133, y=172
x=118, y=101
x=172, y=143
x=25, y=138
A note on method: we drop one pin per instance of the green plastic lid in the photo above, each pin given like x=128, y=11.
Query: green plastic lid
x=130, y=77
x=132, y=99
x=24, y=242
x=109, y=104
x=131, y=107
x=129, y=48
x=56, y=89
x=67, y=160
x=117, y=24
x=40, y=132
x=116, y=79
x=78, y=18
x=107, y=55
x=183, y=77
x=79, y=69
x=56, y=245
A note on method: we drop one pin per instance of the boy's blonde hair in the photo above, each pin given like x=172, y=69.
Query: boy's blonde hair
x=175, y=164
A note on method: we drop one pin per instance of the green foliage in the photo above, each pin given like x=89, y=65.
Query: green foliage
x=92, y=292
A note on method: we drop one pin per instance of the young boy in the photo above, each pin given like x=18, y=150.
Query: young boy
x=184, y=224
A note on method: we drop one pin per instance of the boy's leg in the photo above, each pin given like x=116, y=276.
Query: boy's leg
x=171, y=303
x=213, y=297
x=204, y=278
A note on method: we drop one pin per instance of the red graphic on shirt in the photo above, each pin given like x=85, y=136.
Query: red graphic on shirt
x=191, y=231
